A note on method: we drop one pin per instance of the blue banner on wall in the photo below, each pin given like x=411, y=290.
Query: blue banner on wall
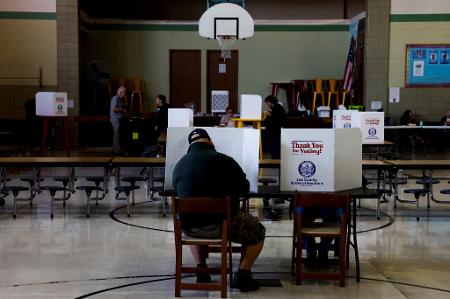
x=427, y=65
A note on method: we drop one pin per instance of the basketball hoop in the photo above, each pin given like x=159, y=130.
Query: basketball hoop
x=225, y=44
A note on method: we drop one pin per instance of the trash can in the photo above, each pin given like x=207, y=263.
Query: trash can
x=136, y=134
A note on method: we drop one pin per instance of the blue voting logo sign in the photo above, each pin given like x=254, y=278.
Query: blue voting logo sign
x=307, y=169
x=60, y=108
x=372, y=132
x=347, y=125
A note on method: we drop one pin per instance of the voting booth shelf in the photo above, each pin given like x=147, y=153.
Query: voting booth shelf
x=320, y=159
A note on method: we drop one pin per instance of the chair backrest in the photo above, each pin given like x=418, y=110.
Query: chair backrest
x=201, y=205
x=332, y=85
x=137, y=84
x=323, y=200
x=318, y=85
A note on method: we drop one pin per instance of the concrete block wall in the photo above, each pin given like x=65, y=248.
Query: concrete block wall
x=68, y=50
x=376, y=52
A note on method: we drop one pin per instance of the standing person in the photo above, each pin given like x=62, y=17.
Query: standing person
x=275, y=120
x=162, y=111
x=205, y=172
x=116, y=113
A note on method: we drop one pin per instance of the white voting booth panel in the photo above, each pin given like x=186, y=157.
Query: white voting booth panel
x=370, y=123
x=51, y=104
x=240, y=144
x=251, y=106
x=180, y=117
x=320, y=159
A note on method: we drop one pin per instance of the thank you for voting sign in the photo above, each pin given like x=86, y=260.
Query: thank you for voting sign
x=320, y=159
x=370, y=123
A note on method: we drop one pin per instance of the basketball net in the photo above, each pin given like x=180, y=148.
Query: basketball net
x=225, y=44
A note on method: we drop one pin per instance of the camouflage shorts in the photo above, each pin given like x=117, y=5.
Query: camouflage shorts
x=245, y=229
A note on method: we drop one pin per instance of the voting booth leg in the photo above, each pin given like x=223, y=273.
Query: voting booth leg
x=65, y=133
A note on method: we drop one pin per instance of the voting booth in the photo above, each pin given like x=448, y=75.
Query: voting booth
x=180, y=117
x=251, y=106
x=51, y=104
x=320, y=159
x=370, y=123
x=241, y=144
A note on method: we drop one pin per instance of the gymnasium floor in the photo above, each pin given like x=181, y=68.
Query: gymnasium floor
x=112, y=256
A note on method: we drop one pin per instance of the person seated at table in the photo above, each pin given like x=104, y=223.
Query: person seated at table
x=317, y=253
x=226, y=120
x=445, y=120
x=411, y=139
x=205, y=172
x=275, y=120
x=443, y=135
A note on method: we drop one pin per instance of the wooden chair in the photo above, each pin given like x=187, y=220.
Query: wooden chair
x=202, y=205
x=333, y=90
x=317, y=90
x=320, y=229
x=137, y=86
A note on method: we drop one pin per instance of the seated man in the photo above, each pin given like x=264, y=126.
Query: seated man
x=205, y=172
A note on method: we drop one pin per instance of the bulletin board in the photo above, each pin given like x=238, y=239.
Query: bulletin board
x=427, y=65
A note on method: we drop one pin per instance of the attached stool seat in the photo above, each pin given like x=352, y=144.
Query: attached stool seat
x=164, y=194
x=88, y=190
x=97, y=181
x=127, y=190
x=154, y=188
x=266, y=182
x=381, y=193
x=425, y=181
x=33, y=188
x=417, y=193
x=52, y=190
x=65, y=180
x=15, y=191
x=132, y=180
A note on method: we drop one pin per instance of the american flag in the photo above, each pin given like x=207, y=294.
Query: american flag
x=348, y=75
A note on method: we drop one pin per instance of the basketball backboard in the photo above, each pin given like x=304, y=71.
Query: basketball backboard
x=226, y=19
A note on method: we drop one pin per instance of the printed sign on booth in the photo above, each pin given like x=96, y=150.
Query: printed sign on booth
x=310, y=159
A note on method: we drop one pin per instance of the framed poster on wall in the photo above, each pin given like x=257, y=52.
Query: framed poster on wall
x=427, y=65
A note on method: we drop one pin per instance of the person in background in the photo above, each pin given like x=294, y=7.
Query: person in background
x=116, y=113
x=407, y=118
x=226, y=119
x=275, y=120
x=162, y=111
x=445, y=120
x=205, y=172
x=410, y=139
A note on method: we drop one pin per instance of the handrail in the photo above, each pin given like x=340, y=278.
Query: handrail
x=39, y=78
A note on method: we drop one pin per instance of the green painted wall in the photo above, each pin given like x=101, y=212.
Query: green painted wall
x=273, y=54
